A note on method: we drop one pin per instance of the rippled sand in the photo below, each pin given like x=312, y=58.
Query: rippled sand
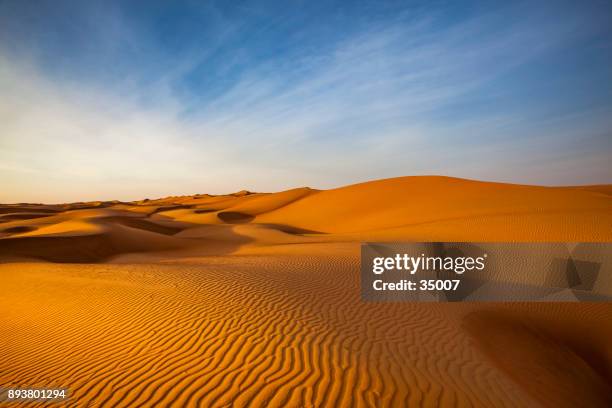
x=253, y=300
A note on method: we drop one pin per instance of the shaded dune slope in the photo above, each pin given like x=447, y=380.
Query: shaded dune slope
x=524, y=350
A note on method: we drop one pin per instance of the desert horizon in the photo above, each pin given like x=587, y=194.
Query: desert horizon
x=427, y=208
x=603, y=187
x=597, y=187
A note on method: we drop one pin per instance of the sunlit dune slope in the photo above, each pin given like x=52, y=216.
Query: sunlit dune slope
x=459, y=204
x=282, y=330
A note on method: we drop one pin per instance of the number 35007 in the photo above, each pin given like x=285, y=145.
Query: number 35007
x=439, y=284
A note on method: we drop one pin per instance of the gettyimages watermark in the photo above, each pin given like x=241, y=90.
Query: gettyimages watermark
x=488, y=272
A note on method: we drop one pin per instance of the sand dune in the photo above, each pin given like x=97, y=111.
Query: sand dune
x=412, y=208
x=410, y=202
x=252, y=299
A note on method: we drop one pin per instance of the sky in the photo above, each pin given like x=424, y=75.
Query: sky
x=141, y=99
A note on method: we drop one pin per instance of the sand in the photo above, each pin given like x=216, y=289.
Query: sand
x=253, y=299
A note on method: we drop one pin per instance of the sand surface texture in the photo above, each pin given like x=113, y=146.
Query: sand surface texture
x=253, y=299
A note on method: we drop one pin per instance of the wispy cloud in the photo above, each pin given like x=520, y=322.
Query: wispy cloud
x=405, y=95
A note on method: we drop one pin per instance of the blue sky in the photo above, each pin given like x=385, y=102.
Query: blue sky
x=105, y=100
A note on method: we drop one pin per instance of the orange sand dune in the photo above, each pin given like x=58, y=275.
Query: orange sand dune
x=463, y=208
x=252, y=299
x=407, y=208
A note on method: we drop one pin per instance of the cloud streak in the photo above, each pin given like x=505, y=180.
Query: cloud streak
x=397, y=96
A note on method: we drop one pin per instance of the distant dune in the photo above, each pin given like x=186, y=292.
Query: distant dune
x=406, y=208
x=252, y=299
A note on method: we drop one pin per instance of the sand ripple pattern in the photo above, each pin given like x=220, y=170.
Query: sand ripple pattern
x=252, y=300
x=239, y=331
